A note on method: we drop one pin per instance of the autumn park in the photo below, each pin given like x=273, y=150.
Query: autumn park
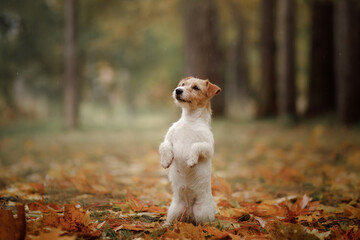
x=86, y=100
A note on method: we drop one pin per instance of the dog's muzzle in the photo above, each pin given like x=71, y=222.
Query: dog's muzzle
x=178, y=91
x=179, y=95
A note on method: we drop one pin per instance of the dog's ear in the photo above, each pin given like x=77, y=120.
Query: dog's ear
x=212, y=89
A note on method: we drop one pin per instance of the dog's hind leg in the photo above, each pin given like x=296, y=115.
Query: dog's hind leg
x=176, y=210
x=204, y=210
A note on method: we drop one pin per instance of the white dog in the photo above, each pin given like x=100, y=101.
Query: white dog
x=187, y=149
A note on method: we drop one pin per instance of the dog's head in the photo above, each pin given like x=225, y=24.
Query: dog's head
x=194, y=93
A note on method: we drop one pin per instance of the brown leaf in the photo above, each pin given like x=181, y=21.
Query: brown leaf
x=171, y=235
x=54, y=234
x=352, y=212
x=7, y=225
x=39, y=187
x=156, y=209
x=52, y=219
x=216, y=232
x=280, y=230
x=38, y=206
x=11, y=228
x=219, y=184
x=56, y=207
x=132, y=227
x=75, y=219
x=189, y=231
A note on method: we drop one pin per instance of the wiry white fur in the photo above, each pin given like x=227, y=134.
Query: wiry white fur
x=187, y=150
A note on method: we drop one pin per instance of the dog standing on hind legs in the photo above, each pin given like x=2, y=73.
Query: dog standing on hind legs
x=187, y=150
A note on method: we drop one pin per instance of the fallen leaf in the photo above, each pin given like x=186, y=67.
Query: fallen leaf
x=280, y=230
x=10, y=227
x=219, y=184
x=352, y=212
x=189, y=231
x=54, y=234
x=215, y=232
x=76, y=220
x=261, y=221
x=38, y=206
x=52, y=219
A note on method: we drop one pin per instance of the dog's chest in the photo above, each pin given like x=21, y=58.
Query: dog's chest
x=183, y=135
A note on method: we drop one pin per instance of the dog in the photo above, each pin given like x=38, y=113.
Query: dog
x=187, y=150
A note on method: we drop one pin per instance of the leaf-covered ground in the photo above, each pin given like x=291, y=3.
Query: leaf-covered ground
x=269, y=182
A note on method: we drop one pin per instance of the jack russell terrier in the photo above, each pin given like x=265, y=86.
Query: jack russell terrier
x=187, y=149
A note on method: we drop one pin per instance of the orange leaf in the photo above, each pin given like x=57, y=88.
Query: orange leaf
x=75, y=220
x=216, y=232
x=352, y=212
x=156, y=209
x=54, y=234
x=219, y=184
x=52, y=219
x=38, y=186
x=189, y=231
x=171, y=235
x=55, y=207
x=132, y=227
x=38, y=206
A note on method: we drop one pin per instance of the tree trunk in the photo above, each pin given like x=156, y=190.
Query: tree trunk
x=71, y=90
x=238, y=58
x=286, y=86
x=347, y=49
x=321, y=92
x=267, y=91
x=203, y=58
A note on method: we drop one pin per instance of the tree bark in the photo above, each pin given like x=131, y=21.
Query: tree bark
x=267, y=91
x=238, y=67
x=286, y=86
x=203, y=58
x=321, y=92
x=347, y=49
x=71, y=88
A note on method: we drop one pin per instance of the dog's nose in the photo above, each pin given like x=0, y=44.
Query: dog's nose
x=178, y=91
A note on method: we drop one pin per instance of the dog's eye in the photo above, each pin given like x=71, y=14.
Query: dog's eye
x=196, y=88
x=182, y=84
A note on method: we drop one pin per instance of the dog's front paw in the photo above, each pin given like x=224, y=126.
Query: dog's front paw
x=166, y=154
x=165, y=162
x=192, y=161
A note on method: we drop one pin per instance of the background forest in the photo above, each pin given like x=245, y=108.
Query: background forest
x=85, y=100
x=293, y=59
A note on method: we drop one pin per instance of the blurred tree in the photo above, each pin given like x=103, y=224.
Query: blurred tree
x=71, y=88
x=321, y=91
x=286, y=90
x=347, y=49
x=238, y=56
x=141, y=42
x=267, y=91
x=30, y=51
x=7, y=71
x=203, y=57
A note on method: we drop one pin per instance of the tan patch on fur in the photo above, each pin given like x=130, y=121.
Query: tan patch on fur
x=199, y=98
x=212, y=89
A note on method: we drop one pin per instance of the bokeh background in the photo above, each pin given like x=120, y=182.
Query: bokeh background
x=92, y=63
x=85, y=101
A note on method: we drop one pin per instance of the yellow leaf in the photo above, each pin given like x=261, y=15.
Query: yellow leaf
x=54, y=235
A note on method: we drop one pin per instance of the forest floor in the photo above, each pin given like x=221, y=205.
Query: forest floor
x=269, y=182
